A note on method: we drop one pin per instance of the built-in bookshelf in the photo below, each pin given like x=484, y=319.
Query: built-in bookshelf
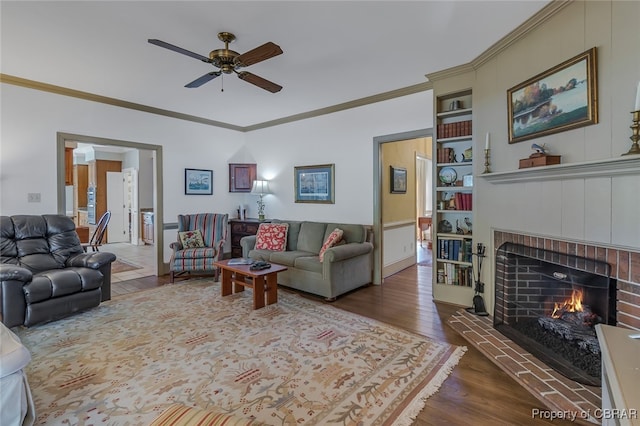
x=453, y=201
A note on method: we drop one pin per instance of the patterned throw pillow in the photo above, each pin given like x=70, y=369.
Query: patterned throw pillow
x=272, y=236
x=334, y=238
x=191, y=239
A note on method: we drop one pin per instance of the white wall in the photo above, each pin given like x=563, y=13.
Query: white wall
x=30, y=120
x=344, y=138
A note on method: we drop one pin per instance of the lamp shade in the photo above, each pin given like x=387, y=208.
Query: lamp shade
x=260, y=187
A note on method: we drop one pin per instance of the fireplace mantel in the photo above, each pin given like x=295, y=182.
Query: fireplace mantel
x=624, y=165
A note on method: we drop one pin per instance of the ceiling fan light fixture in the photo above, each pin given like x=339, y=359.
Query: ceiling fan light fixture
x=229, y=61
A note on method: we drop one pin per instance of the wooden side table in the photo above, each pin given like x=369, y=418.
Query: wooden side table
x=263, y=282
x=424, y=222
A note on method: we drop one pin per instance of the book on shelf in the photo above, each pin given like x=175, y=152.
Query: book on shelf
x=455, y=249
x=463, y=201
x=458, y=275
x=454, y=130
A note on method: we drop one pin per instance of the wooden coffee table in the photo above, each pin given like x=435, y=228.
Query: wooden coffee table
x=263, y=282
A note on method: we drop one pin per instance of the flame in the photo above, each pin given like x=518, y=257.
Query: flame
x=571, y=305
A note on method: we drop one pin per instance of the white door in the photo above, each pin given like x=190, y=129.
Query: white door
x=130, y=182
x=118, y=229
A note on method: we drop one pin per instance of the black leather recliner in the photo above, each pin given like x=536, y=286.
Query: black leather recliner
x=44, y=272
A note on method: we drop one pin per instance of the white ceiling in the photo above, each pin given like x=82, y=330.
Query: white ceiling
x=334, y=51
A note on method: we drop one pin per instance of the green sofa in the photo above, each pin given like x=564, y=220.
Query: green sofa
x=346, y=266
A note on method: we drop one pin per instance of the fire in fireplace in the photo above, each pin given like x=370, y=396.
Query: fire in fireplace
x=549, y=303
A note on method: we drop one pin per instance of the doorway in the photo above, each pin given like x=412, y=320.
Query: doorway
x=405, y=231
x=155, y=193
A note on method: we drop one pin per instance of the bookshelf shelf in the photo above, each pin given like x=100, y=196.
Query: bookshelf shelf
x=452, y=272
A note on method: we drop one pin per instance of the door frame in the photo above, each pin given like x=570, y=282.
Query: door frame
x=378, y=241
x=158, y=200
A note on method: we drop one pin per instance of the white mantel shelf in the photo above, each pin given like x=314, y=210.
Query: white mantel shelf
x=623, y=165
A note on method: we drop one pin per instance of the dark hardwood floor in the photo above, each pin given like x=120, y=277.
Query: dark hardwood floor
x=476, y=393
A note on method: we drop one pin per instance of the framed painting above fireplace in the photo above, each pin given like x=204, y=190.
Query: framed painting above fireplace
x=561, y=98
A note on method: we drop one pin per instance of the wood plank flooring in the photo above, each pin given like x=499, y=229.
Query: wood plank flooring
x=476, y=393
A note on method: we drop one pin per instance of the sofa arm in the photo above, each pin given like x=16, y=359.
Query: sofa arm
x=94, y=260
x=247, y=243
x=347, y=251
x=12, y=301
x=176, y=246
x=10, y=272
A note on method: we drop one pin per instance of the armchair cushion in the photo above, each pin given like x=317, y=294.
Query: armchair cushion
x=191, y=239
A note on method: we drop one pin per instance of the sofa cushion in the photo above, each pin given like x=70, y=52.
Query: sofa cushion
x=191, y=239
x=334, y=238
x=351, y=233
x=311, y=236
x=309, y=263
x=288, y=258
x=61, y=282
x=272, y=236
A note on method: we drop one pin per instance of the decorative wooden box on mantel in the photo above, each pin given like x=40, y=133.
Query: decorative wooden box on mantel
x=539, y=159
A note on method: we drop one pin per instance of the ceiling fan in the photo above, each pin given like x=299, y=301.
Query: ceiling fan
x=229, y=61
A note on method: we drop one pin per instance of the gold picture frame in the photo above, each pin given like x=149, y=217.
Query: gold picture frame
x=562, y=98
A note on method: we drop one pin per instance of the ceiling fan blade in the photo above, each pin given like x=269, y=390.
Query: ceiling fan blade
x=202, y=80
x=259, y=54
x=178, y=49
x=259, y=81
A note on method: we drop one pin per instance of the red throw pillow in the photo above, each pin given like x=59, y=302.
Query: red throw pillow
x=272, y=236
x=333, y=239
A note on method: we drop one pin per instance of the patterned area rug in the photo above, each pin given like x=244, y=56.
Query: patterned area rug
x=294, y=362
x=122, y=266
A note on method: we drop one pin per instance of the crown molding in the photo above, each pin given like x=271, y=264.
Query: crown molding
x=59, y=90
x=45, y=87
x=542, y=16
x=409, y=90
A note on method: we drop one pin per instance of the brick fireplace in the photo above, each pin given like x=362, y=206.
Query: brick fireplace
x=549, y=304
x=624, y=264
x=554, y=390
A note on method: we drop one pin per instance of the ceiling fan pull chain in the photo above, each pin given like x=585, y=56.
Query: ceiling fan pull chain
x=222, y=83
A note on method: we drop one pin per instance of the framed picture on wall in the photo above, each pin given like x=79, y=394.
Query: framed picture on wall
x=561, y=98
x=198, y=182
x=315, y=184
x=398, y=182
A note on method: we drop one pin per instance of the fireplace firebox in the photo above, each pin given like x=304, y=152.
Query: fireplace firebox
x=549, y=303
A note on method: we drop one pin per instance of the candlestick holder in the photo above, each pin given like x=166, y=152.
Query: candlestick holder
x=486, y=161
x=635, y=136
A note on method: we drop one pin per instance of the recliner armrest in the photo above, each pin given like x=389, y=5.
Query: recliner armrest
x=94, y=260
x=347, y=251
x=9, y=272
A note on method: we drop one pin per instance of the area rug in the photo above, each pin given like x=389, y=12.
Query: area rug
x=295, y=362
x=119, y=265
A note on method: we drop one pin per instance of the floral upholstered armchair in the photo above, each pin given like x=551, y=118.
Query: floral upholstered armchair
x=201, y=238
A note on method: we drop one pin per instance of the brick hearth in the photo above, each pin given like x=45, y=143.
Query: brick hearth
x=551, y=388
x=555, y=391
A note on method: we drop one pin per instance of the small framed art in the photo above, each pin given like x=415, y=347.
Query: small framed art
x=398, y=182
x=198, y=182
x=315, y=184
